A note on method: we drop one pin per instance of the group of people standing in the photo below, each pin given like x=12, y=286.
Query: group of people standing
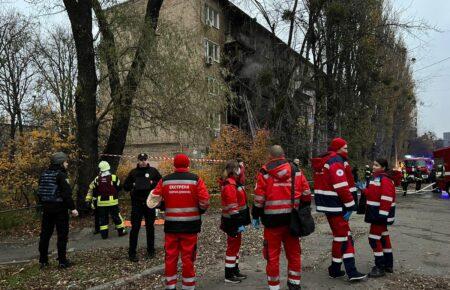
x=280, y=187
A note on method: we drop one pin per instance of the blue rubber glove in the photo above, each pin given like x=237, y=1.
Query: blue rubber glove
x=347, y=215
x=241, y=229
x=256, y=223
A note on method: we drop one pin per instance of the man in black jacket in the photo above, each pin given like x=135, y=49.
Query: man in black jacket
x=55, y=196
x=140, y=182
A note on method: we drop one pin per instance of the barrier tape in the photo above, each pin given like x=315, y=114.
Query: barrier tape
x=163, y=158
x=400, y=190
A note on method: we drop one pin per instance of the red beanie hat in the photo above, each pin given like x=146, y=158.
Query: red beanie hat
x=337, y=144
x=181, y=161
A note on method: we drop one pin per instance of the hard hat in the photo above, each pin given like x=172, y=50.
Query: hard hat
x=104, y=166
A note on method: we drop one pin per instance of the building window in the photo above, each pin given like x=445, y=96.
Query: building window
x=211, y=17
x=212, y=51
x=213, y=86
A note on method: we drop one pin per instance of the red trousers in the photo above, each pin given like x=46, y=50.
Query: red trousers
x=380, y=242
x=232, y=254
x=342, y=247
x=273, y=237
x=186, y=245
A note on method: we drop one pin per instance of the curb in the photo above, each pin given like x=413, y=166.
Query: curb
x=124, y=281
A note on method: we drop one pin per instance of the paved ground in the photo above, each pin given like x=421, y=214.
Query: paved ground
x=421, y=239
x=79, y=240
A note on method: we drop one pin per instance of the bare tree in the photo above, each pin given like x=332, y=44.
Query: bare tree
x=16, y=73
x=55, y=60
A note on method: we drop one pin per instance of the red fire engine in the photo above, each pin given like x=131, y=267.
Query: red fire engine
x=442, y=167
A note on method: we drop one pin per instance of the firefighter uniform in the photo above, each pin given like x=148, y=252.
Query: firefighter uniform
x=380, y=212
x=334, y=195
x=235, y=214
x=106, y=187
x=272, y=203
x=186, y=198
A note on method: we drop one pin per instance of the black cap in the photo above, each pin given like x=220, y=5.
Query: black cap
x=142, y=156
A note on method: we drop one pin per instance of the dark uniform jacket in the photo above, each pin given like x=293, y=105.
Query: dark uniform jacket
x=141, y=181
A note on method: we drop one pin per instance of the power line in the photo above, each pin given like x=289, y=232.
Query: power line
x=433, y=64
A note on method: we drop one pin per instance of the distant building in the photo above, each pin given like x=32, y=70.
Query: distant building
x=446, y=139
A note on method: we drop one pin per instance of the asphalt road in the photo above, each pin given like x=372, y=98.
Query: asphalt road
x=420, y=236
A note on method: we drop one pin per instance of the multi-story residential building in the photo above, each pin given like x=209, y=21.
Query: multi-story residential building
x=237, y=51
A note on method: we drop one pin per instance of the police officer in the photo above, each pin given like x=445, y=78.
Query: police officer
x=55, y=195
x=140, y=182
x=107, y=187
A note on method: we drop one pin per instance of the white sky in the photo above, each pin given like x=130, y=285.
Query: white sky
x=433, y=83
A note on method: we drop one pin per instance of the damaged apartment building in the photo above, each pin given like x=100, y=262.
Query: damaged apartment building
x=238, y=51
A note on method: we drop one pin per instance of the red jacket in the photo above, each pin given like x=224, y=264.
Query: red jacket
x=185, y=197
x=272, y=201
x=334, y=185
x=380, y=195
x=234, y=206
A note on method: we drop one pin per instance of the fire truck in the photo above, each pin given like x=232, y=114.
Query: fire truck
x=442, y=168
x=418, y=169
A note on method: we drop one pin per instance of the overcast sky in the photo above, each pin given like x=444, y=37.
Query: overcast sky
x=433, y=82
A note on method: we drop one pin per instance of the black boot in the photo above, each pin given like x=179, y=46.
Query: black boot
x=356, y=276
x=238, y=274
x=377, y=272
x=150, y=255
x=389, y=269
x=43, y=265
x=334, y=271
x=230, y=276
x=65, y=264
x=293, y=286
x=133, y=258
x=104, y=234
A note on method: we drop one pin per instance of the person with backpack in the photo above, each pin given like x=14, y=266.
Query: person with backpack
x=140, y=181
x=186, y=198
x=55, y=196
x=273, y=203
x=335, y=196
x=106, y=187
x=380, y=213
x=235, y=216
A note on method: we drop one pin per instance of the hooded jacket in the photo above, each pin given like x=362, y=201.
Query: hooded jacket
x=272, y=201
x=334, y=186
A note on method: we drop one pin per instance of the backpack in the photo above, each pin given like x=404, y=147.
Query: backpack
x=48, y=187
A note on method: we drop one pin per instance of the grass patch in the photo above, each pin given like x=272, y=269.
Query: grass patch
x=90, y=268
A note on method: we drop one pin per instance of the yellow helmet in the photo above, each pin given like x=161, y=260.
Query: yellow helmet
x=104, y=166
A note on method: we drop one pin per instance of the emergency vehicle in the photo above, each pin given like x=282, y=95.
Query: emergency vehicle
x=418, y=168
x=442, y=167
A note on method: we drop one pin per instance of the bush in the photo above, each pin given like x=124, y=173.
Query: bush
x=23, y=160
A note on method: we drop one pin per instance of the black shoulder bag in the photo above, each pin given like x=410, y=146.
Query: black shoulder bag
x=302, y=222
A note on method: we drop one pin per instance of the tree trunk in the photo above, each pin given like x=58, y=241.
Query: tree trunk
x=122, y=108
x=80, y=15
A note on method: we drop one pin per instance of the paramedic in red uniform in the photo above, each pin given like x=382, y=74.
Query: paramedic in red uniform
x=185, y=198
x=235, y=216
x=272, y=203
x=380, y=212
x=335, y=195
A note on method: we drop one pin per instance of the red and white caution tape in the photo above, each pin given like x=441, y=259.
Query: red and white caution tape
x=164, y=158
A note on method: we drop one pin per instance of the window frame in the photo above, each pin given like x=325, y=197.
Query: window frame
x=212, y=15
x=216, y=49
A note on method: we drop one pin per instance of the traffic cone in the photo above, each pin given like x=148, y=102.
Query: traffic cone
x=444, y=195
